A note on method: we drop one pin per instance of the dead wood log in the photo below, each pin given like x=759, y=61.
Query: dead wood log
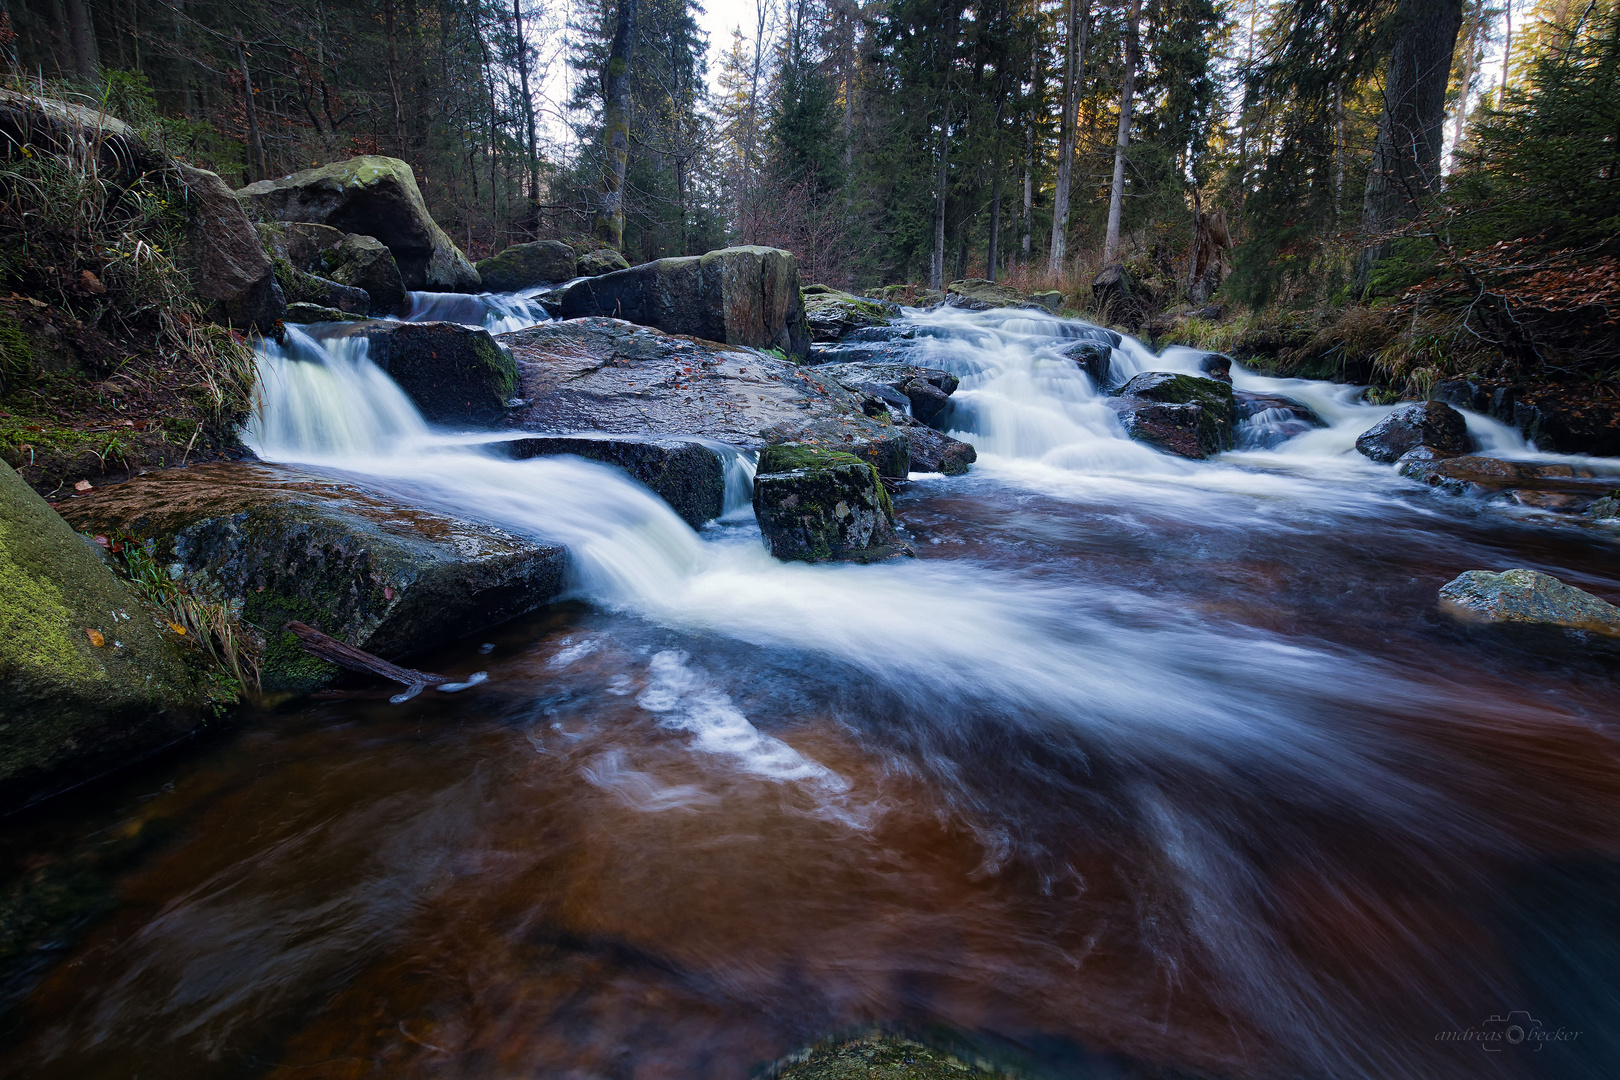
x=343, y=655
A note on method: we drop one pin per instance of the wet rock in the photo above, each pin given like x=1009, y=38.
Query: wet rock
x=738, y=296
x=1606, y=508
x=1216, y=366
x=455, y=374
x=1555, y=486
x=816, y=505
x=1050, y=301
x=69, y=707
x=607, y=375
x=924, y=391
x=977, y=294
x=1527, y=596
x=1096, y=359
x=303, y=314
x=1268, y=420
x=685, y=473
x=832, y=314
x=876, y=1057
x=934, y=451
x=363, y=262
x=601, y=261
x=523, y=265
x=221, y=252
x=355, y=563
x=1180, y=414
x=1421, y=423
x=370, y=196
x=1570, y=419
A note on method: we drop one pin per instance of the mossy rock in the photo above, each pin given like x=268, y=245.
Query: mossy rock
x=600, y=261
x=455, y=374
x=877, y=1057
x=980, y=294
x=303, y=314
x=1181, y=414
x=831, y=314
x=87, y=679
x=816, y=505
x=523, y=265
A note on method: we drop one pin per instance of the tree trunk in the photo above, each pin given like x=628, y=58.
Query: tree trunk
x=82, y=33
x=1127, y=92
x=255, y=147
x=616, y=126
x=1036, y=90
x=1470, y=56
x=1507, y=42
x=1074, y=66
x=528, y=103
x=936, y=271
x=1405, y=166
x=992, y=259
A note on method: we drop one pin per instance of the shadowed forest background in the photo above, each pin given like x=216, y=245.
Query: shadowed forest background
x=1350, y=187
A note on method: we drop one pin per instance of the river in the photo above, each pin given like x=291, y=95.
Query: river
x=1144, y=766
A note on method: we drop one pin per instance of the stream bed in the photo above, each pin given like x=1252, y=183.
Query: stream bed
x=1143, y=767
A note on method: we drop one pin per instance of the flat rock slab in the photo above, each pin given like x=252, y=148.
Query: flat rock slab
x=360, y=565
x=1527, y=596
x=688, y=475
x=607, y=375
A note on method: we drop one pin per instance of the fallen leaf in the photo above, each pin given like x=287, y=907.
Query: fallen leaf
x=83, y=485
x=95, y=637
x=91, y=283
x=177, y=628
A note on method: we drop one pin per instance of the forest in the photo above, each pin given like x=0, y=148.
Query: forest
x=1408, y=188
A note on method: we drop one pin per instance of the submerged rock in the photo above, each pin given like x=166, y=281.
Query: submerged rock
x=817, y=505
x=1421, y=423
x=738, y=296
x=523, y=265
x=1095, y=358
x=370, y=196
x=1180, y=414
x=934, y=451
x=1268, y=420
x=606, y=375
x=685, y=473
x=831, y=314
x=233, y=277
x=600, y=261
x=360, y=565
x=1550, y=486
x=87, y=680
x=455, y=374
x=1527, y=596
x=362, y=262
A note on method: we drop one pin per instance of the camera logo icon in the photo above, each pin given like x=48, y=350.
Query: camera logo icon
x=1515, y=1029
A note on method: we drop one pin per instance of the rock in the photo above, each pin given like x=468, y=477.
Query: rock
x=600, y=261
x=1116, y=295
x=1267, y=420
x=607, y=375
x=1554, y=486
x=370, y=196
x=738, y=296
x=57, y=127
x=924, y=391
x=1606, y=508
x=816, y=505
x=1216, y=366
x=1570, y=419
x=977, y=294
x=1527, y=596
x=523, y=265
x=1096, y=359
x=455, y=374
x=302, y=245
x=303, y=314
x=934, y=451
x=883, y=1056
x=360, y=565
x=685, y=473
x=831, y=314
x=70, y=708
x=363, y=262
x=221, y=252
x=1421, y=423
x=1181, y=414
x=1051, y=301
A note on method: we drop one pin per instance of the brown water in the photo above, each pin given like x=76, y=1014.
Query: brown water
x=1297, y=825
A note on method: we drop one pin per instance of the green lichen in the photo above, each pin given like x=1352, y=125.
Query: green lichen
x=36, y=626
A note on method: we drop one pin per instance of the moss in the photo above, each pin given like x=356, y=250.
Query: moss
x=790, y=456
x=878, y=1058
x=36, y=626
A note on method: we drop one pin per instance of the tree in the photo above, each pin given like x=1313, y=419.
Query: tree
x=616, y=125
x=1074, y=66
x=1127, y=88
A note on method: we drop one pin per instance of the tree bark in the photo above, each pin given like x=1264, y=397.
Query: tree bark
x=1074, y=67
x=993, y=257
x=528, y=103
x=1474, y=23
x=82, y=33
x=616, y=125
x=936, y=270
x=256, y=164
x=1406, y=158
x=1127, y=92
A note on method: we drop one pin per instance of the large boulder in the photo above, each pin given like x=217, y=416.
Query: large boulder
x=1180, y=414
x=221, y=252
x=87, y=679
x=738, y=296
x=363, y=262
x=523, y=265
x=934, y=451
x=816, y=505
x=600, y=261
x=1527, y=596
x=1116, y=295
x=687, y=474
x=831, y=314
x=1421, y=423
x=1573, y=418
x=606, y=375
x=371, y=196
x=60, y=127
x=362, y=566
x=455, y=374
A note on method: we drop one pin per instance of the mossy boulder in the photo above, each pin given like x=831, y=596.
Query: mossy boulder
x=523, y=265
x=303, y=314
x=600, y=261
x=685, y=473
x=365, y=567
x=816, y=505
x=1050, y=301
x=370, y=196
x=363, y=262
x=455, y=374
x=301, y=244
x=831, y=313
x=87, y=679
x=1181, y=414
x=978, y=294
x=739, y=296
x=1527, y=597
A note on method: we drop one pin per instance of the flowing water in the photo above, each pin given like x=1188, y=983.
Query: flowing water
x=1144, y=767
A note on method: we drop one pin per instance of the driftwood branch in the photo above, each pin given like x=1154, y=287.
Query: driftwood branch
x=334, y=651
